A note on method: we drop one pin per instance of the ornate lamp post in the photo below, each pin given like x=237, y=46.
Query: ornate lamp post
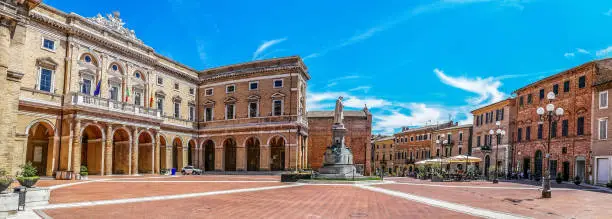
x=548, y=115
x=444, y=142
x=500, y=133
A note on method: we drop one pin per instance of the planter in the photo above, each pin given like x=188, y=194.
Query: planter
x=292, y=177
x=5, y=184
x=436, y=179
x=28, y=182
x=83, y=177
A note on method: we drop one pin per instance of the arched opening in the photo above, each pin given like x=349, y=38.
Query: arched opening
x=177, y=154
x=40, y=148
x=229, y=151
x=209, y=155
x=538, y=165
x=162, y=153
x=91, y=149
x=487, y=165
x=277, y=153
x=252, y=146
x=191, y=159
x=121, y=152
x=145, y=152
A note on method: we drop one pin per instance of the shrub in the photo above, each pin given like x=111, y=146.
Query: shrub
x=577, y=180
x=5, y=179
x=559, y=178
x=609, y=184
x=84, y=170
x=27, y=170
x=294, y=177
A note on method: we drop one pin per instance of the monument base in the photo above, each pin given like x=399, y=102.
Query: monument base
x=338, y=171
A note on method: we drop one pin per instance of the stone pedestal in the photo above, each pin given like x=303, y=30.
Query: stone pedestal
x=8, y=204
x=338, y=163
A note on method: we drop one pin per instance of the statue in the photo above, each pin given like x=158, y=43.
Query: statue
x=338, y=112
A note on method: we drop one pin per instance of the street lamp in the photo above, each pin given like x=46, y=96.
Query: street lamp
x=500, y=133
x=549, y=114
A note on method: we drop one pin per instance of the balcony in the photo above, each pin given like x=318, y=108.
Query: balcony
x=485, y=148
x=112, y=106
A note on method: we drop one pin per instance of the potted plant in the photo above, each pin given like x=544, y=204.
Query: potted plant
x=609, y=184
x=577, y=180
x=559, y=179
x=5, y=181
x=84, y=172
x=28, y=176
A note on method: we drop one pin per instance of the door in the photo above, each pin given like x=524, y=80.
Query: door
x=538, y=165
x=553, y=169
x=526, y=165
x=580, y=166
x=603, y=170
x=566, y=171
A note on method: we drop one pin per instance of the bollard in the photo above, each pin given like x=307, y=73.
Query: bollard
x=22, y=198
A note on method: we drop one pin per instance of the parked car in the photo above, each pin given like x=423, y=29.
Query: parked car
x=190, y=170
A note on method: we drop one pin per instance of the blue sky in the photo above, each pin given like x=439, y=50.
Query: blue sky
x=412, y=62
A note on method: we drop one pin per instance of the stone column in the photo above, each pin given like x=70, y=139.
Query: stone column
x=241, y=158
x=219, y=159
x=76, y=147
x=102, y=155
x=157, y=151
x=108, y=152
x=134, y=153
x=52, y=155
x=200, y=155
x=264, y=158
x=184, y=158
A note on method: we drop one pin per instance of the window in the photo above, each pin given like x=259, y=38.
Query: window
x=541, y=94
x=137, y=74
x=277, y=109
x=502, y=114
x=208, y=92
x=176, y=86
x=528, y=133
x=177, y=108
x=521, y=101
x=564, y=127
x=191, y=113
x=253, y=108
x=48, y=44
x=603, y=129
x=540, y=127
x=208, y=114
x=437, y=152
x=477, y=141
x=477, y=120
x=137, y=99
x=86, y=86
x=529, y=99
x=230, y=88
x=603, y=100
x=160, y=105
x=114, y=67
x=411, y=138
x=553, y=129
x=230, y=111
x=278, y=83
x=566, y=86
x=114, y=93
x=519, y=135
x=460, y=150
x=87, y=59
x=160, y=80
x=191, y=91
x=556, y=89
x=582, y=82
x=46, y=76
x=580, y=126
x=253, y=85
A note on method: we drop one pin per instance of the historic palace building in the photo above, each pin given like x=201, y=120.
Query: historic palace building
x=494, y=149
x=602, y=114
x=86, y=92
x=383, y=158
x=359, y=131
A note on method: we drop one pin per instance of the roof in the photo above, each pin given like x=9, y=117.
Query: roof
x=385, y=139
x=503, y=102
x=330, y=113
x=456, y=127
x=604, y=72
x=258, y=65
x=596, y=62
x=432, y=127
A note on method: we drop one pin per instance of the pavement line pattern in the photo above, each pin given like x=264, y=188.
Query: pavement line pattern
x=487, y=187
x=158, y=198
x=479, y=212
x=189, y=181
x=76, y=183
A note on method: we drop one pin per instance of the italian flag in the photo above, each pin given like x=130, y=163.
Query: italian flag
x=127, y=94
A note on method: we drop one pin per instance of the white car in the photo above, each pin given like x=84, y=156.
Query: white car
x=189, y=170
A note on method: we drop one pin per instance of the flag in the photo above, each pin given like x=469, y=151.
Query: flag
x=151, y=100
x=97, y=91
x=127, y=94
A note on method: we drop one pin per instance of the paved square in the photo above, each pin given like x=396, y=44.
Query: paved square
x=265, y=197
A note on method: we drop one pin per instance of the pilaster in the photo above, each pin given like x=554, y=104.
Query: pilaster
x=156, y=160
x=134, y=152
x=241, y=158
x=108, y=152
x=76, y=147
x=264, y=158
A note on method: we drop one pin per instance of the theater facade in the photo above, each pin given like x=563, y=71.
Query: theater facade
x=86, y=92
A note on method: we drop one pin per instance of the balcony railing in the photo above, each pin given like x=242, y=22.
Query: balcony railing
x=485, y=148
x=112, y=106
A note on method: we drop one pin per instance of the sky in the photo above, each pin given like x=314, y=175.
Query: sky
x=411, y=62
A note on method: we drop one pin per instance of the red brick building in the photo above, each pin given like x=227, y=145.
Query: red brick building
x=358, y=137
x=602, y=112
x=571, y=134
x=418, y=143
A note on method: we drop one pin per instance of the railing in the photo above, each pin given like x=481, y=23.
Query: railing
x=80, y=99
x=178, y=121
x=485, y=148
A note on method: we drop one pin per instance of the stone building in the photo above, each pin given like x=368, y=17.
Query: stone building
x=494, y=149
x=571, y=135
x=602, y=113
x=87, y=92
x=383, y=154
x=452, y=141
x=359, y=132
x=418, y=143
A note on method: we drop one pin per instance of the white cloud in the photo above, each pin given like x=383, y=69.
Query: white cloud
x=569, y=55
x=326, y=101
x=332, y=84
x=265, y=45
x=609, y=12
x=313, y=55
x=365, y=89
x=201, y=47
x=604, y=52
x=583, y=51
x=486, y=88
